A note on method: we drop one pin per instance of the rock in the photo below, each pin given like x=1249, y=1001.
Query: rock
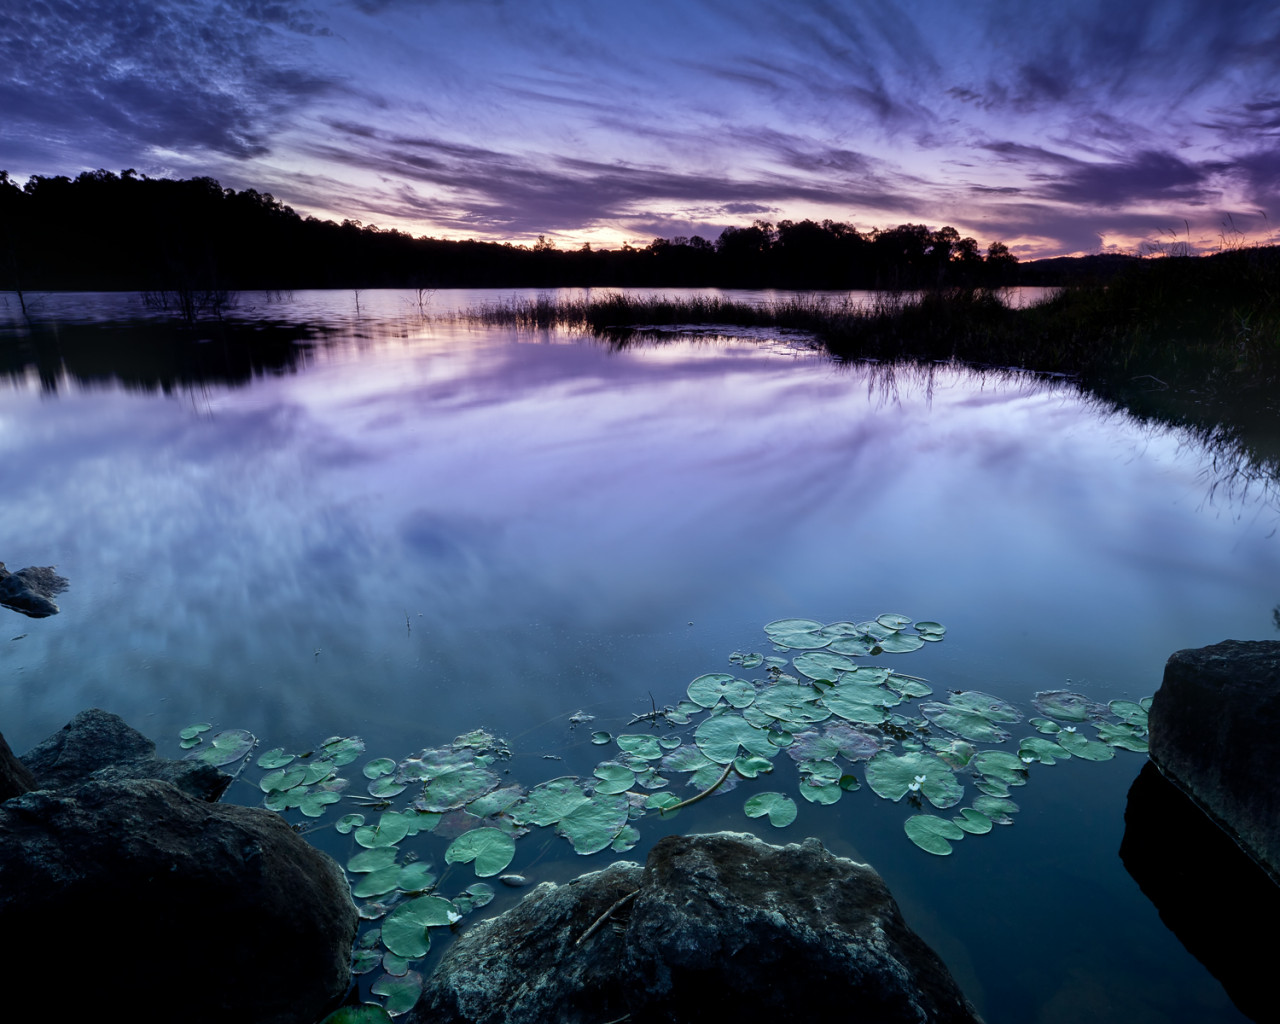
x=715, y=927
x=1214, y=732
x=1211, y=895
x=31, y=590
x=160, y=904
x=98, y=743
x=15, y=777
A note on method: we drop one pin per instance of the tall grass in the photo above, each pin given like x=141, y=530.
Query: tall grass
x=1193, y=342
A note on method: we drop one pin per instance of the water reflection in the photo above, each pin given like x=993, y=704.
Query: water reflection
x=407, y=529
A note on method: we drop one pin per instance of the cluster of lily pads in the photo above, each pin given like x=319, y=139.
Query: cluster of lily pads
x=821, y=705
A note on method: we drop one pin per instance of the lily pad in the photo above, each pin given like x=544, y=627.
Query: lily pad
x=998, y=809
x=548, y=803
x=790, y=703
x=347, y=822
x=1123, y=735
x=647, y=747
x=974, y=822
x=893, y=777
x=1084, y=748
x=454, y=789
x=225, y=747
x=796, y=633
x=359, y=1014
x=708, y=690
x=1129, y=712
x=963, y=722
x=901, y=643
x=1037, y=748
x=404, y=931
x=378, y=767
x=593, y=825
x=1000, y=764
x=401, y=994
x=601, y=738
x=342, y=749
x=391, y=828
x=893, y=620
x=282, y=779
x=313, y=804
x=193, y=731
x=721, y=738
x=614, y=777
x=490, y=849
x=929, y=628
x=931, y=833
x=274, y=758
x=822, y=664
x=780, y=808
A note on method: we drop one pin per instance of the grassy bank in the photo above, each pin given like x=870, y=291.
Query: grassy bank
x=1193, y=342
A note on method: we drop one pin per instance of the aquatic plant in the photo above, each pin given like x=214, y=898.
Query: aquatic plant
x=821, y=705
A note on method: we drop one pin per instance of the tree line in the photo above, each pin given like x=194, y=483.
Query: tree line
x=106, y=231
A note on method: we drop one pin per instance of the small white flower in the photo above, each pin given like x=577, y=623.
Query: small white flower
x=1027, y=760
x=1070, y=728
x=920, y=778
x=913, y=787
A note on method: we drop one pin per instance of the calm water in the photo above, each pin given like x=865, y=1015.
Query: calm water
x=404, y=529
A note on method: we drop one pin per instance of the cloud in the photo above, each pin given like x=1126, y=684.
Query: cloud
x=115, y=79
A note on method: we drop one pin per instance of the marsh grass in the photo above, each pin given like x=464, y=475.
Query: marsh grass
x=1183, y=341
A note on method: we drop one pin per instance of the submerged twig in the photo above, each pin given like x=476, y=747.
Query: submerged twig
x=598, y=923
x=700, y=796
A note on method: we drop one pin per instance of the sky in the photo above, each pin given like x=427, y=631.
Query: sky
x=1059, y=128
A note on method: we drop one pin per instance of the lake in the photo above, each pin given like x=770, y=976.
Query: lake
x=376, y=521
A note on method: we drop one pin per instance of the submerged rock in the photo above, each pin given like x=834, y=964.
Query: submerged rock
x=1211, y=895
x=160, y=903
x=31, y=590
x=714, y=927
x=1215, y=729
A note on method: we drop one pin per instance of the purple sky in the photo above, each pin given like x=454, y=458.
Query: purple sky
x=1059, y=128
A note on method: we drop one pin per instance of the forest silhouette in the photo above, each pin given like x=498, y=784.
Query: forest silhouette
x=107, y=231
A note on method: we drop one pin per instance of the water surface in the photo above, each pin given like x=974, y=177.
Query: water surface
x=405, y=528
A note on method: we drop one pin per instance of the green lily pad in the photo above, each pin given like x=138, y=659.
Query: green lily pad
x=822, y=664
x=905, y=687
x=386, y=787
x=274, y=758
x=993, y=709
x=662, y=802
x=647, y=747
x=780, y=808
x=282, y=779
x=313, y=804
x=454, y=789
x=593, y=825
x=931, y=833
x=490, y=849
x=601, y=738
x=956, y=753
x=1002, y=765
x=893, y=777
x=225, y=747
x=721, y=738
x=347, y=822
x=473, y=897
x=614, y=777
x=415, y=877
x=391, y=828
x=901, y=643
x=401, y=994
x=963, y=722
x=1129, y=712
x=893, y=620
x=929, y=628
x=789, y=703
x=372, y=860
x=825, y=793
x=1037, y=748
x=746, y=660
x=974, y=822
x=548, y=803
x=496, y=801
x=193, y=731
x=404, y=932
x=1123, y=735
x=362, y=962
x=377, y=883
x=708, y=690
x=1084, y=748
x=751, y=766
x=625, y=840
x=800, y=634
x=998, y=809
x=378, y=767
x=685, y=759
x=342, y=749
x=1047, y=726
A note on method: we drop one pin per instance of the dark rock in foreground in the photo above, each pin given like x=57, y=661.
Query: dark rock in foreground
x=1215, y=726
x=156, y=902
x=31, y=590
x=1209, y=893
x=716, y=927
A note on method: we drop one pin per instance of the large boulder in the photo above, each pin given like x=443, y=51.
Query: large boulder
x=161, y=904
x=1215, y=733
x=714, y=927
